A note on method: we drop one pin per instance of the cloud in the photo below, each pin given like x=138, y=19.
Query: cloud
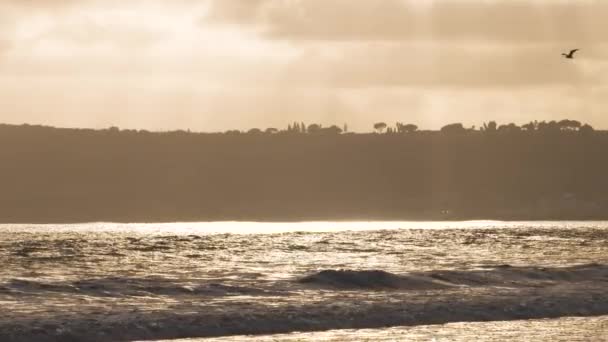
x=403, y=20
x=152, y=64
x=5, y=45
x=382, y=65
x=245, y=12
x=89, y=31
x=446, y=44
x=85, y=29
x=6, y=33
x=40, y=5
x=44, y=3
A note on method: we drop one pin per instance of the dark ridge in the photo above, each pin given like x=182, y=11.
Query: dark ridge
x=495, y=276
x=347, y=279
x=549, y=171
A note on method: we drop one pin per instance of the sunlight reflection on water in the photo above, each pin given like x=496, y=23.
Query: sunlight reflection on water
x=135, y=273
x=237, y=227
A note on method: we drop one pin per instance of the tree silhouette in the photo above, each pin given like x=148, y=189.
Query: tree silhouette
x=314, y=128
x=529, y=127
x=549, y=127
x=454, y=128
x=569, y=125
x=410, y=128
x=586, y=129
x=400, y=127
x=490, y=126
x=404, y=129
x=510, y=128
x=380, y=126
x=332, y=130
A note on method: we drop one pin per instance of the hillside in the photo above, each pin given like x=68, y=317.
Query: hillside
x=69, y=175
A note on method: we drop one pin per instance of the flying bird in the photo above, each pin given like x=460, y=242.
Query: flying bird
x=570, y=55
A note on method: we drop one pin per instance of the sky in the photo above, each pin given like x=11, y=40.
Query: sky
x=215, y=65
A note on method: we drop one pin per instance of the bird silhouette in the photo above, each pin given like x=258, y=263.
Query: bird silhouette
x=570, y=55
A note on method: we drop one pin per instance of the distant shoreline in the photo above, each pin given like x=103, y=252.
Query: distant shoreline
x=295, y=221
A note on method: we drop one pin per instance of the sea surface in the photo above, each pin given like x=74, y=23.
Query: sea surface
x=567, y=329
x=322, y=281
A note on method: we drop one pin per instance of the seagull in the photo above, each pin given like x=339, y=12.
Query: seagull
x=570, y=55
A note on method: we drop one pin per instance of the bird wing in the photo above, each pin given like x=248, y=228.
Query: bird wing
x=573, y=51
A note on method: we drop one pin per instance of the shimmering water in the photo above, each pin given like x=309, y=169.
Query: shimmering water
x=151, y=281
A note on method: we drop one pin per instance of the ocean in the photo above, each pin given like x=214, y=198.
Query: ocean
x=322, y=281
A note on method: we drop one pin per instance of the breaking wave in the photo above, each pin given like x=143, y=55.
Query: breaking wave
x=503, y=275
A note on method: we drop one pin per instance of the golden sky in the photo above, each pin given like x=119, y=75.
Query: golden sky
x=213, y=65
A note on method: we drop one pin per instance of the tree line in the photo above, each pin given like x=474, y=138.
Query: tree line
x=565, y=125
x=553, y=126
